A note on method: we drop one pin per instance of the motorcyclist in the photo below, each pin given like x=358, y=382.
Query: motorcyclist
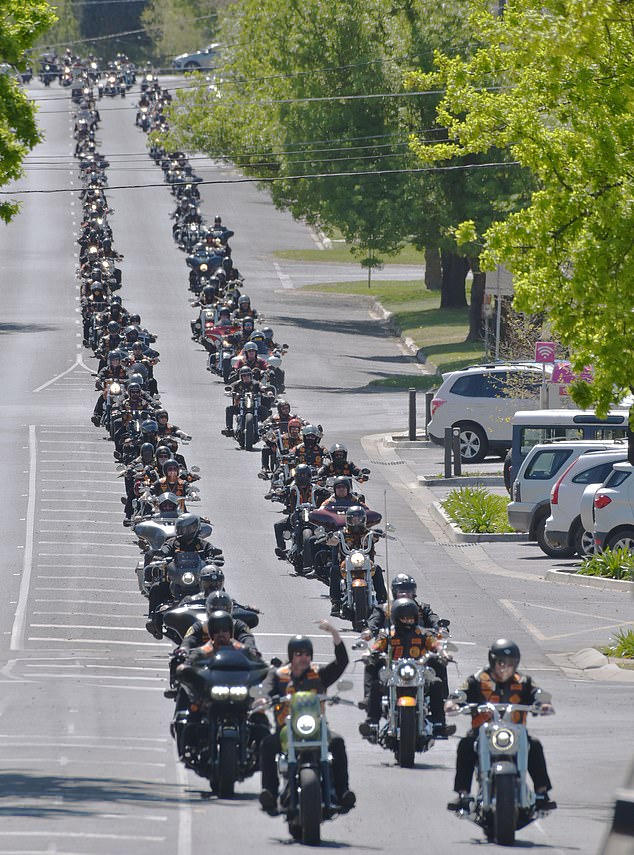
x=114, y=370
x=309, y=450
x=198, y=633
x=272, y=430
x=500, y=683
x=244, y=309
x=301, y=675
x=165, y=428
x=245, y=383
x=249, y=357
x=139, y=472
x=171, y=481
x=186, y=539
x=342, y=496
x=300, y=491
x=403, y=585
x=340, y=465
x=354, y=534
x=220, y=626
x=406, y=640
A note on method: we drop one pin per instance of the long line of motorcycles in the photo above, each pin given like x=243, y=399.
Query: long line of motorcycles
x=322, y=534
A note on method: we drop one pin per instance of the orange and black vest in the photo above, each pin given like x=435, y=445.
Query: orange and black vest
x=164, y=486
x=310, y=681
x=511, y=692
x=406, y=645
x=208, y=649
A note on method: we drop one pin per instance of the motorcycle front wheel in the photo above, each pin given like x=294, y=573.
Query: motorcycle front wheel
x=406, y=749
x=227, y=768
x=504, y=816
x=359, y=608
x=249, y=431
x=310, y=806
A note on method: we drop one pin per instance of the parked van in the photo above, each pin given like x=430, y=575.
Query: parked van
x=531, y=427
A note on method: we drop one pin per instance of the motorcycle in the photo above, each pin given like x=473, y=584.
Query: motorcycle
x=408, y=727
x=182, y=574
x=357, y=579
x=504, y=802
x=305, y=764
x=215, y=734
x=246, y=431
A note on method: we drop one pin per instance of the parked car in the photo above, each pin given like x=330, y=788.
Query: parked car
x=204, y=58
x=482, y=399
x=614, y=509
x=564, y=527
x=529, y=507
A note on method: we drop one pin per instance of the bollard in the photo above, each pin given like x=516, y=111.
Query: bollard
x=429, y=396
x=412, y=414
x=455, y=446
x=448, y=441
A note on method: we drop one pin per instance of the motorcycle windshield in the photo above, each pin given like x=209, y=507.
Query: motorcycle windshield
x=231, y=667
x=187, y=561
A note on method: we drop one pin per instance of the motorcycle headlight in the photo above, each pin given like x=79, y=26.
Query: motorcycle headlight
x=357, y=559
x=406, y=672
x=238, y=693
x=306, y=725
x=203, y=267
x=503, y=739
x=188, y=578
x=219, y=693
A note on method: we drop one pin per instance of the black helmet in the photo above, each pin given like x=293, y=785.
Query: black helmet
x=356, y=518
x=212, y=578
x=167, y=503
x=401, y=584
x=248, y=322
x=338, y=451
x=113, y=327
x=267, y=332
x=310, y=431
x=342, y=481
x=187, y=526
x=137, y=377
x=133, y=387
x=224, y=310
x=303, y=475
x=245, y=370
x=282, y=403
x=149, y=426
x=297, y=643
x=161, y=413
x=147, y=452
x=244, y=300
x=219, y=601
x=403, y=608
x=114, y=354
x=171, y=464
x=219, y=621
x=504, y=648
x=163, y=452
x=116, y=301
x=131, y=334
x=217, y=220
x=256, y=336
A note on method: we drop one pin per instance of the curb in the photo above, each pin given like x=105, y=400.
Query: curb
x=459, y=536
x=564, y=577
x=395, y=442
x=461, y=480
x=417, y=352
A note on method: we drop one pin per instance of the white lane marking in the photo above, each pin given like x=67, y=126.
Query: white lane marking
x=184, y=843
x=79, y=602
x=63, y=626
x=79, y=676
x=28, y=743
x=102, y=642
x=78, y=361
x=19, y=621
x=284, y=278
x=36, y=737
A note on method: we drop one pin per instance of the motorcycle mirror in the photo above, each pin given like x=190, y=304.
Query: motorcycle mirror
x=256, y=692
x=451, y=647
x=444, y=622
x=227, y=388
x=365, y=471
x=276, y=662
x=121, y=467
x=459, y=696
x=543, y=697
x=345, y=685
x=389, y=527
x=194, y=468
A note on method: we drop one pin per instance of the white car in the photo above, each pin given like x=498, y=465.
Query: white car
x=564, y=527
x=204, y=58
x=614, y=509
x=529, y=507
x=482, y=399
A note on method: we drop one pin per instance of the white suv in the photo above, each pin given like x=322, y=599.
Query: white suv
x=564, y=526
x=529, y=507
x=481, y=400
x=614, y=509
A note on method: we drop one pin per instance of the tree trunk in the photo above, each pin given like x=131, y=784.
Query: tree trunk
x=476, y=322
x=454, y=274
x=433, y=269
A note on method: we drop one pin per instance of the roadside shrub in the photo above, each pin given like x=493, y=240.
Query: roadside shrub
x=611, y=564
x=622, y=645
x=476, y=510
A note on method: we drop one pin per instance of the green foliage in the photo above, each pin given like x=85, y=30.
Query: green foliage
x=64, y=30
x=552, y=88
x=474, y=509
x=611, y=564
x=179, y=26
x=21, y=22
x=622, y=645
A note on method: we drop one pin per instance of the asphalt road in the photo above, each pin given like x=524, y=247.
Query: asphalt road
x=86, y=761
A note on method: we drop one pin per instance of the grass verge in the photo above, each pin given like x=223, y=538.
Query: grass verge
x=476, y=510
x=340, y=252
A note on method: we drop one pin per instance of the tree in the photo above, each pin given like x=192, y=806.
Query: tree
x=65, y=30
x=179, y=26
x=21, y=23
x=552, y=86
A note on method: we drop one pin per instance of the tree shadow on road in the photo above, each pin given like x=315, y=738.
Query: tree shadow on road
x=8, y=328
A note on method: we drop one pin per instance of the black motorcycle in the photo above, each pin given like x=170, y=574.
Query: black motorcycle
x=216, y=734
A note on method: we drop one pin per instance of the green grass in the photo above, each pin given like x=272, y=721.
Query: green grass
x=622, y=644
x=340, y=252
x=422, y=382
x=476, y=510
x=440, y=333
x=609, y=564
